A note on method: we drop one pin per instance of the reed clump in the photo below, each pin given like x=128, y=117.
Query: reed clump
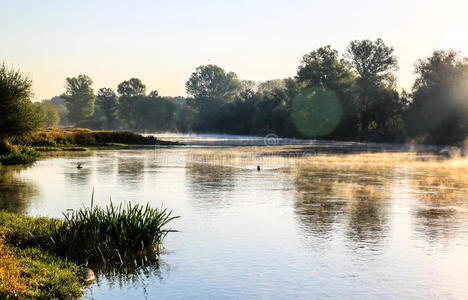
x=113, y=232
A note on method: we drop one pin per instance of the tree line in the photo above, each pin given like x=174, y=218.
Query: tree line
x=352, y=96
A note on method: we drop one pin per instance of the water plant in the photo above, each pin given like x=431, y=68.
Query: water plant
x=113, y=232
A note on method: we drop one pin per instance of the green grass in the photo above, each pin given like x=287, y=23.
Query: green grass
x=111, y=233
x=65, y=148
x=62, y=137
x=29, y=269
x=40, y=257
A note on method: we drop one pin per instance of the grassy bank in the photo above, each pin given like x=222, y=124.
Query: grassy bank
x=27, y=149
x=40, y=257
x=19, y=155
x=82, y=137
x=27, y=268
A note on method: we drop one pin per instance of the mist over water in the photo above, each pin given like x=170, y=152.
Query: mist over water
x=311, y=224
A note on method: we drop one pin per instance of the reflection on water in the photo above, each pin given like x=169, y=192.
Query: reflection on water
x=15, y=193
x=380, y=225
x=220, y=181
x=142, y=270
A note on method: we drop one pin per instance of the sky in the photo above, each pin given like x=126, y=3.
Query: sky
x=162, y=42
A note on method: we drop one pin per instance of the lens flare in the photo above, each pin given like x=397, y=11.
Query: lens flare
x=316, y=111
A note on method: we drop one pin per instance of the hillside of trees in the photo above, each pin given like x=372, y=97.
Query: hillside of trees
x=350, y=96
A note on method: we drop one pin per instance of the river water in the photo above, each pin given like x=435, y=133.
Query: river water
x=316, y=222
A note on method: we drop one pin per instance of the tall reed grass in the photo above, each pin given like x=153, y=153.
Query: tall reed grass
x=113, y=232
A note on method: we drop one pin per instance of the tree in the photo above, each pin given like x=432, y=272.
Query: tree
x=270, y=85
x=79, y=98
x=107, y=100
x=439, y=108
x=153, y=94
x=323, y=68
x=131, y=88
x=48, y=114
x=17, y=112
x=374, y=64
x=212, y=82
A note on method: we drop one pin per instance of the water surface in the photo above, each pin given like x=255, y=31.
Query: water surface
x=308, y=225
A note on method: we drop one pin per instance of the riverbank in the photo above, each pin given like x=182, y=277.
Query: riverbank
x=27, y=149
x=27, y=270
x=41, y=258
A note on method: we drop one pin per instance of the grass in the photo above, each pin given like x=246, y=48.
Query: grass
x=27, y=149
x=113, y=232
x=64, y=148
x=67, y=137
x=19, y=155
x=39, y=257
x=27, y=269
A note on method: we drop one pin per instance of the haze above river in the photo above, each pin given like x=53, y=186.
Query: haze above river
x=312, y=223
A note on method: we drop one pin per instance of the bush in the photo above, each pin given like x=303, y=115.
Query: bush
x=20, y=155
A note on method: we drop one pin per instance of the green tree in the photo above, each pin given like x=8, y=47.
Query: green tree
x=17, y=112
x=374, y=64
x=131, y=88
x=108, y=102
x=130, y=91
x=153, y=94
x=47, y=113
x=439, y=108
x=324, y=69
x=212, y=82
x=79, y=98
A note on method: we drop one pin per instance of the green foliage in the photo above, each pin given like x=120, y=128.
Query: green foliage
x=439, y=111
x=17, y=114
x=112, y=232
x=108, y=101
x=51, y=276
x=363, y=82
x=316, y=112
x=79, y=98
x=55, y=137
x=324, y=68
x=213, y=83
x=373, y=61
x=131, y=88
x=45, y=275
x=374, y=64
x=47, y=113
x=19, y=155
x=33, y=249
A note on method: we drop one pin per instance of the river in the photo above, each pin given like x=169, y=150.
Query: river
x=320, y=220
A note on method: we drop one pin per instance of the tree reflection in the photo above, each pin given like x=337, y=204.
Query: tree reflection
x=316, y=207
x=130, y=171
x=210, y=185
x=367, y=214
x=353, y=198
x=15, y=194
x=442, y=203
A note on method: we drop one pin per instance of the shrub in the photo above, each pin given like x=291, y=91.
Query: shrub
x=20, y=155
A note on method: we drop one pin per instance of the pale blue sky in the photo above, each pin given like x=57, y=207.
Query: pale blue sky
x=162, y=42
